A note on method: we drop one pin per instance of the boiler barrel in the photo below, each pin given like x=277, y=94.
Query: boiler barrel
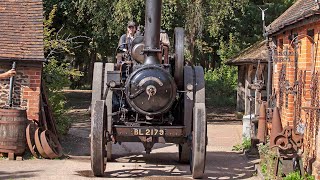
x=13, y=130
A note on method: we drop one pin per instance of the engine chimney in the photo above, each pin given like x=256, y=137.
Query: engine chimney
x=152, y=31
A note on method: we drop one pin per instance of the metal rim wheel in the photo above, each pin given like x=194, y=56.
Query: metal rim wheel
x=98, y=138
x=38, y=143
x=179, y=56
x=30, y=132
x=186, y=115
x=199, y=133
x=108, y=67
x=50, y=144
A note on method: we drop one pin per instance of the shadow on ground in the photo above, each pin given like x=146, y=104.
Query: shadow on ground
x=18, y=174
x=80, y=99
x=219, y=165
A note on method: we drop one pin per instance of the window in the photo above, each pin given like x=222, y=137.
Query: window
x=280, y=45
x=310, y=33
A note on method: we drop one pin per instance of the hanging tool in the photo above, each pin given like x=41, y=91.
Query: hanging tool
x=11, y=86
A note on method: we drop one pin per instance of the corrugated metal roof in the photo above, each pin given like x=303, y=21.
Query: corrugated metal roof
x=21, y=29
x=253, y=54
x=297, y=12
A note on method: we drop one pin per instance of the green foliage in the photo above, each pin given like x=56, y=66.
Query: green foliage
x=297, y=176
x=309, y=177
x=57, y=72
x=228, y=49
x=246, y=144
x=264, y=168
x=56, y=76
x=221, y=85
x=293, y=176
x=268, y=161
x=216, y=30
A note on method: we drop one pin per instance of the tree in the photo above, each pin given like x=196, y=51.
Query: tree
x=209, y=25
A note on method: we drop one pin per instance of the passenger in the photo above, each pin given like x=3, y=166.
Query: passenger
x=164, y=38
x=126, y=39
x=7, y=74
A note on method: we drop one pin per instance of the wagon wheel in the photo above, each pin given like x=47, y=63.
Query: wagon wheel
x=179, y=56
x=199, y=129
x=184, y=149
x=108, y=67
x=50, y=144
x=38, y=143
x=98, y=138
x=30, y=131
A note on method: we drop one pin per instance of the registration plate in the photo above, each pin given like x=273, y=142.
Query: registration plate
x=147, y=132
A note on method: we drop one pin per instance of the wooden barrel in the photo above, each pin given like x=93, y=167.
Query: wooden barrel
x=13, y=130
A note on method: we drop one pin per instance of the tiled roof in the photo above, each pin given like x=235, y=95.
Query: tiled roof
x=21, y=29
x=297, y=12
x=252, y=54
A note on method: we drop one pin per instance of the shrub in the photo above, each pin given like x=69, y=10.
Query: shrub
x=221, y=86
x=57, y=72
x=56, y=76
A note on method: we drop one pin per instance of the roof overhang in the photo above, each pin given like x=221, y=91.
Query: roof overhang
x=303, y=20
x=242, y=62
x=22, y=59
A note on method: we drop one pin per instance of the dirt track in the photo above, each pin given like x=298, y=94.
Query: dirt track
x=131, y=162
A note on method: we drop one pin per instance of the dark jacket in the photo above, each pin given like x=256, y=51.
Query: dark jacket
x=125, y=42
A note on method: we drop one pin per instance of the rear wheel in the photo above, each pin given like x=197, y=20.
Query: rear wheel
x=188, y=103
x=179, y=56
x=98, y=138
x=108, y=67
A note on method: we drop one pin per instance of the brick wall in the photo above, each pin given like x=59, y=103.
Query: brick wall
x=26, y=87
x=286, y=103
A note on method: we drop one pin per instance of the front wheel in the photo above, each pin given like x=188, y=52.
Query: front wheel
x=98, y=138
x=199, y=145
x=199, y=126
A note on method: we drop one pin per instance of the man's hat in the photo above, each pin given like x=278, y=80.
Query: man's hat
x=131, y=23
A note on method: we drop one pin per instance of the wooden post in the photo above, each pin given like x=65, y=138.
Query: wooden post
x=247, y=90
x=241, y=88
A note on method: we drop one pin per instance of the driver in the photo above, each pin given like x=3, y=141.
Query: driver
x=126, y=39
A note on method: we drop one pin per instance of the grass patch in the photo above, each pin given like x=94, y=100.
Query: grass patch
x=297, y=176
x=246, y=144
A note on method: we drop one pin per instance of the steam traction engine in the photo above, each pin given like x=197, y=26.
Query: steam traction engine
x=150, y=98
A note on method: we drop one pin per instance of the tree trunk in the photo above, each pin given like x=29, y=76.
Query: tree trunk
x=93, y=57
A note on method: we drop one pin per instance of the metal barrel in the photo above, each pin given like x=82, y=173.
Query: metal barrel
x=152, y=31
x=262, y=123
x=276, y=126
x=13, y=130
